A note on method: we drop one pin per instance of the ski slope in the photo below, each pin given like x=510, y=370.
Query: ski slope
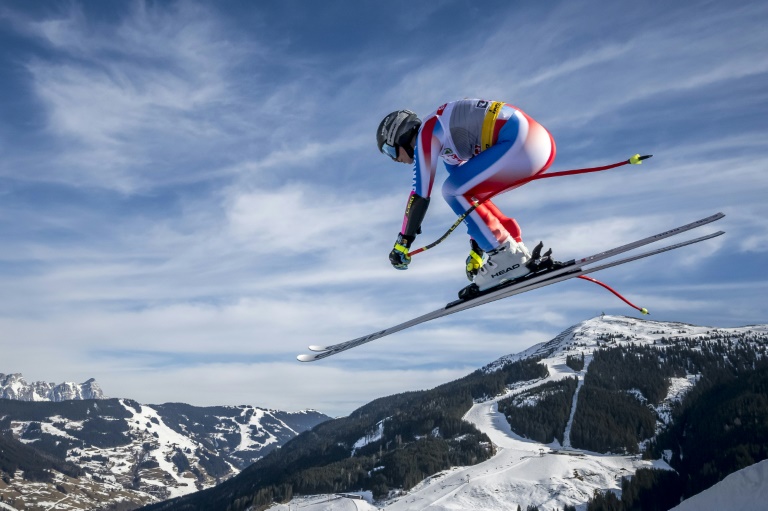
x=744, y=490
x=524, y=472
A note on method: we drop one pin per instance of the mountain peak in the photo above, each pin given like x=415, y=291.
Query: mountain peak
x=14, y=386
x=604, y=330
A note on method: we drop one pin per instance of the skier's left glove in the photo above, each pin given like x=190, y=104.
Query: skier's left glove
x=399, y=256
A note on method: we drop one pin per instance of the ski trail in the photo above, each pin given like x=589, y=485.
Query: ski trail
x=582, y=374
x=486, y=417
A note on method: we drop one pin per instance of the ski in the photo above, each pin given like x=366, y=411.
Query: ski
x=571, y=270
x=530, y=286
x=523, y=287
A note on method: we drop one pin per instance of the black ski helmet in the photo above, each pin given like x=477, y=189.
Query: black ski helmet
x=396, y=130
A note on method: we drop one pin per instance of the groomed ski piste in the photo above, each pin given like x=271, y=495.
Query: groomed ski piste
x=524, y=472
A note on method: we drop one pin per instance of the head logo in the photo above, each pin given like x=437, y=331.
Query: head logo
x=502, y=272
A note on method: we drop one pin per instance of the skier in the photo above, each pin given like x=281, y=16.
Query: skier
x=488, y=147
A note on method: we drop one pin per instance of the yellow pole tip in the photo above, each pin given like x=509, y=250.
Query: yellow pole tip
x=635, y=160
x=644, y=311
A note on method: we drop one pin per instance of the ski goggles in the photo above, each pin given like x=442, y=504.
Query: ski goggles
x=389, y=150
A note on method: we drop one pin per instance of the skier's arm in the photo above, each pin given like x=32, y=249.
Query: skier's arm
x=426, y=154
x=415, y=212
x=414, y=215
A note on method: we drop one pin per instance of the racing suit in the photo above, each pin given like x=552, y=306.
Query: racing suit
x=488, y=148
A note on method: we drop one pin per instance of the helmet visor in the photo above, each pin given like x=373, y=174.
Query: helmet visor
x=389, y=150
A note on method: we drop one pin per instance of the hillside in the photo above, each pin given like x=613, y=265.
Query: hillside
x=593, y=419
x=585, y=409
x=745, y=489
x=90, y=453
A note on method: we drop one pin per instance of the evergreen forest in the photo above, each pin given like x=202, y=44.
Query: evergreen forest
x=421, y=434
x=719, y=427
x=542, y=413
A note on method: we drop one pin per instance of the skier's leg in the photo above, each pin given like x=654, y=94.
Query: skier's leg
x=523, y=149
x=482, y=225
x=510, y=224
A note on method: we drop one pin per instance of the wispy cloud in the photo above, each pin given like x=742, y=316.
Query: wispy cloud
x=124, y=100
x=200, y=185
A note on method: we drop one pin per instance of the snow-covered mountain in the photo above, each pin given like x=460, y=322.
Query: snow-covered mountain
x=604, y=331
x=744, y=490
x=526, y=473
x=171, y=445
x=132, y=454
x=13, y=386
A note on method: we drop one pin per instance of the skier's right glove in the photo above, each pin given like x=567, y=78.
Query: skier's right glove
x=399, y=256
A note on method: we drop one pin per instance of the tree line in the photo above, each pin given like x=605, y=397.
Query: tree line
x=423, y=433
x=720, y=426
x=545, y=420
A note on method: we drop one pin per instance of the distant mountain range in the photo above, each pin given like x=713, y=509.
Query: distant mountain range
x=13, y=386
x=598, y=415
x=68, y=441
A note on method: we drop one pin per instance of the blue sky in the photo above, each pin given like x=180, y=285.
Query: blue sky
x=190, y=192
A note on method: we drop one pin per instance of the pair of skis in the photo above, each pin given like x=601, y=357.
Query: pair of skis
x=572, y=269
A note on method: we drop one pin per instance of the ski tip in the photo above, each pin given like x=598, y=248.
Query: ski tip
x=317, y=348
x=306, y=358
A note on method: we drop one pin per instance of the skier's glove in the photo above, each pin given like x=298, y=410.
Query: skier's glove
x=399, y=256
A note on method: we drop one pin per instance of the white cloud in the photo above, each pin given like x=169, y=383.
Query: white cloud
x=123, y=100
x=250, y=215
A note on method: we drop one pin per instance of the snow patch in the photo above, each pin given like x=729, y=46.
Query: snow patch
x=746, y=490
x=370, y=438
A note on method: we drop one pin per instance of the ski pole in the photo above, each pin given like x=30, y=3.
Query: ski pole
x=475, y=204
x=609, y=288
x=634, y=160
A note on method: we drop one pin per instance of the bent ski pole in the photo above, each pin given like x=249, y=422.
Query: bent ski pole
x=634, y=160
x=609, y=288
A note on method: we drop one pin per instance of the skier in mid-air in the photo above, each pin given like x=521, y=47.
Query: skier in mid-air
x=488, y=147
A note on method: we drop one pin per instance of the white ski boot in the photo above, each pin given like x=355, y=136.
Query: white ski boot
x=505, y=263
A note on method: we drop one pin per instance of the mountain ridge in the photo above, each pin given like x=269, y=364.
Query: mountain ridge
x=132, y=454
x=675, y=358
x=597, y=414
x=14, y=386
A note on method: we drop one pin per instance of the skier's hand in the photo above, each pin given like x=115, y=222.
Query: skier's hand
x=399, y=256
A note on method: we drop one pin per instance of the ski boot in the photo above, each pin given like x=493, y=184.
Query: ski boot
x=509, y=262
x=506, y=262
x=503, y=264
